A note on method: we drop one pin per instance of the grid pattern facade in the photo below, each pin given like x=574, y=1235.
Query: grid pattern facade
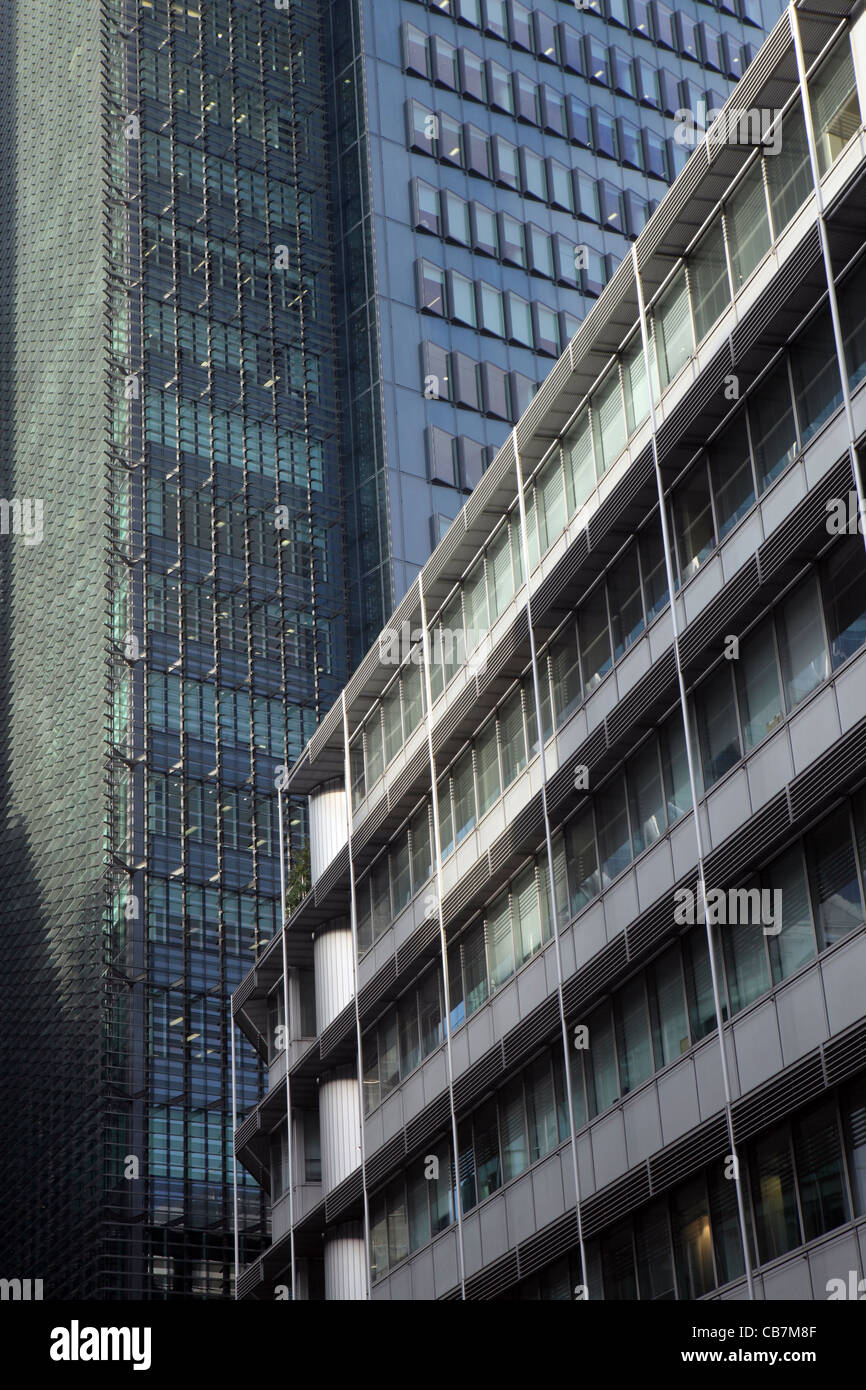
x=168, y=360
x=601, y=784
x=493, y=160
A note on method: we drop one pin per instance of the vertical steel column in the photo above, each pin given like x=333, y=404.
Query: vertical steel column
x=353, y=919
x=443, y=945
x=291, y=1173
x=237, y=1242
x=839, y=340
x=690, y=760
x=566, y=1056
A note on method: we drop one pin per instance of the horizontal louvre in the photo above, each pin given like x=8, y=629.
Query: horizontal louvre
x=614, y=1202
x=596, y=977
x=535, y=1029
x=846, y=1055
x=678, y=1161
x=785, y=1093
x=384, y=1159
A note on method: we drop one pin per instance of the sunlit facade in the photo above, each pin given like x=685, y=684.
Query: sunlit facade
x=574, y=1007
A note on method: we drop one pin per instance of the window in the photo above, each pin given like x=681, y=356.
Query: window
x=565, y=674
x=511, y=240
x=595, y=653
x=496, y=18
x=604, y=125
x=579, y=463
x=602, y=1081
x=421, y=127
x=844, y=587
x=646, y=798
x=672, y=331
x=815, y=369
x=414, y=50
x=833, y=879
x=477, y=151
x=634, y=1047
x=560, y=185
x=581, y=862
x=492, y=315
x=835, y=108
x=505, y=162
x=431, y=288
x=772, y=427
x=693, y=1241
x=653, y=569
x=577, y=115
x=512, y=738
x=667, y=1004
x=463, y=796
x=746, y=967
x=534, y=179
x=708, y=280
x=635, y=387
x=427, y=207
x=462, y=299
x=717, y=725
x=499, y=88
x=546, y=330
x=472, y=71
x=443, y=60
x=655, y=155
x=693, y=522
x=789, y=175
x=854, y=1111
x=540, y=250
x=614, y=849
x=747, y=225
x=485, y=236
x=626, y=605
x=456, y=218
x=450, y=142
x=801, y=644
x=608, y=415
x=760, y=697
x=487, y=767
x=731, y=474
x=795, y=943
x=820, y=1179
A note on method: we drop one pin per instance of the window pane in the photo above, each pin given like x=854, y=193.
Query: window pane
x=595, y=653
x=500, y=946
x=693, y=522
x=773, y=1195
x=488, y=1166
x=512, y=1125
x=818, y=1157
x=446, y=822
x=675, y=769
x=389, y=1065
x=788, y=173
x=617, y=1264
x=462, y=299
x=748, y=226
x=635, y=387
x=608, y=414
x=441, y=1207
x=708, y=279
x=512, y=738
x=699, y=984
x=758, y=686
x=835, y=108
x=527, y=915
x=626, y=604
x=419, y=830
x=816, y=374
x=579, y=463
x=410, y=1042
x=487, y=768
x=693, y=1244
x=633, y=1035
x=667, y=1002
x=614, y=850
x=771, y=421
x=731, y=475
x=746, y=967
x=474, y=969
x=727, y=1240
x=499, y=573
x=600, y=1059
x=801, y=644
x=565, y=674
x=419, y=1211
x=672, y=329
x=541, y=1109
x=550, y=501
x=583, y=881
x=401, y=882
x=646, y=798
x=833, y=879
x=430, y=1013
x=844, y=588
x=655, y=1266
x=492, y=312
x=653, y=569
x=717, y=725
x=795, y=943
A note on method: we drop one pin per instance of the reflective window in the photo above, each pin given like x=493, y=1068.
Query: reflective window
x=748, y=225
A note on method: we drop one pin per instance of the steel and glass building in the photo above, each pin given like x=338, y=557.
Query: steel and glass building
x=493, y=160
x=576, y=1004
x=275, y=281
x=175, y=632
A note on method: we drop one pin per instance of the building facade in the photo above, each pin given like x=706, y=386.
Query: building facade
x=587, y=923
x=167, y=364
x=493, y=159
x=218, y=312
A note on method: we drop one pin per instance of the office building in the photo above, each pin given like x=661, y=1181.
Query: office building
x=574, y=1006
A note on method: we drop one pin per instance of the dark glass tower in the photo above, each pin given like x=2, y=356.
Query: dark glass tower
x=274, y=282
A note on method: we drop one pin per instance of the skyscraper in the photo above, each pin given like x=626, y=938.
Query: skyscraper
x=587, y=919
x=493, y=158
x=274, y=279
